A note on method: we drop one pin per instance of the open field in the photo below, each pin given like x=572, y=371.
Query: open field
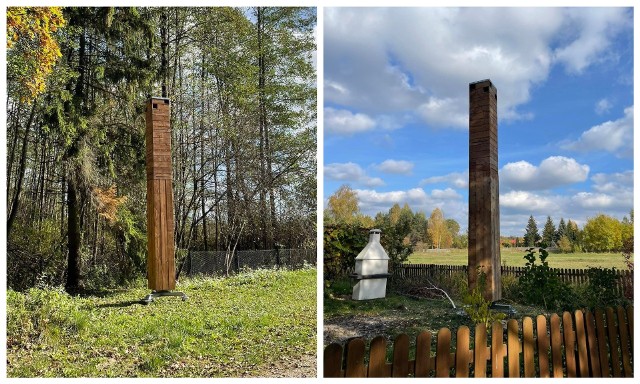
x=515, y=258
x=259, y=323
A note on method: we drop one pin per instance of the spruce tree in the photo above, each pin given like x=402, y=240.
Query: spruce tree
x=548, y=233
x=531, y=236
x=561, y=231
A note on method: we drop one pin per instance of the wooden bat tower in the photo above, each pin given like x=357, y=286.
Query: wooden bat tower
x=484, y=213
x=160, y=223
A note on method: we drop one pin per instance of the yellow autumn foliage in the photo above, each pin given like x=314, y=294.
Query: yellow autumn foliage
x=32, y=29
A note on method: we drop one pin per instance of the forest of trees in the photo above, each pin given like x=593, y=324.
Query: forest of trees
x=242, y=83
x=601, y=233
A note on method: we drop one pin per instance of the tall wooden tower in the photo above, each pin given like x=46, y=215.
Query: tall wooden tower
x=160, y=222
x=484, y=213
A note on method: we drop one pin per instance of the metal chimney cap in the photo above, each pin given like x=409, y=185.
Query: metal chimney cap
x=375, y=231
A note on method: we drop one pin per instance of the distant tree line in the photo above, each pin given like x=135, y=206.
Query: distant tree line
x=243, y=89
x=601, y=233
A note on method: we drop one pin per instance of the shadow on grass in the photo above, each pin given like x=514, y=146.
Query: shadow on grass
x=121, y=304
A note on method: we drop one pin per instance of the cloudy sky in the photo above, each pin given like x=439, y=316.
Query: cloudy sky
x=396, y=108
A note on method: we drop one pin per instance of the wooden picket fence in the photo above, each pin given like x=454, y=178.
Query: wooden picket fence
x=582, y=344
x=568, y=275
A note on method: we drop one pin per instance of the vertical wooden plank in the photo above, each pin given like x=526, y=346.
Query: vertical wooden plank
x=602, y=343
x=594, y=356
x=333, y=361
x=170, y=237
x=497, y=350
x=400, y=367
x=556, y=346
x=378, y=358
x=442, y=352
x=158, y=234
x=480, y=352
x=624, y=343
x=581, y=339
x=528, y=347
x=355, y=359
x=513, y=348
x=569, y=344
x=614, y=351
x=543, y=345
x=423, y=355
x=463, y=354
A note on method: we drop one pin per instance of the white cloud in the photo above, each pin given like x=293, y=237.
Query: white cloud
x=343, y=122
x=448, y=112
x=352, y=173
x=603, y=106
x=552, y=172
x=458, y=180
x=595, y=29
x=614, y=182
x=612, y=136
x=400, y=167
x=521, y=201
x=445, y=194
x=420, y=60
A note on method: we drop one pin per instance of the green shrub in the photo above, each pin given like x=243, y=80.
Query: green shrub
x=43, y=313
x=477, y=307
x=600, y=292
x=539, y=285
x=509, y=287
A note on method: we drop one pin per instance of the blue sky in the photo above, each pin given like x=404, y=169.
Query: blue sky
x=396, y=108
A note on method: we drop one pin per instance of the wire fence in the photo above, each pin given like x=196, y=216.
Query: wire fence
x=224, y=263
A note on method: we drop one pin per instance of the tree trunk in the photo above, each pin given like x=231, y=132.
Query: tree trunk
x=73, y=238
x=23, y=160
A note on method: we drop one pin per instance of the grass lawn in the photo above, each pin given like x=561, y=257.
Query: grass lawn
x=515, y=258
x=239, y=326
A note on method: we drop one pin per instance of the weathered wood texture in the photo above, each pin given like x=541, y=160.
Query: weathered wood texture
x=579, y=344
x=160, y=222
x=484, y=214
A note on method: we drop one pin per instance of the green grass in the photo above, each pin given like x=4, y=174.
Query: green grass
x=515, y=258
x=239, y=326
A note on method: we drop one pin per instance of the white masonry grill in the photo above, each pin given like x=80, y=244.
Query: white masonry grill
x=372, y=270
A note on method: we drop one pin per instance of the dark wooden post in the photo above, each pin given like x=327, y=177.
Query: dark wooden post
x=484, y=213
x=160, y=259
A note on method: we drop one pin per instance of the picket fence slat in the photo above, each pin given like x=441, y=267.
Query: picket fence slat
x=400, y=366
x=333, y=361
x=579, y=344
x=528, y=347
x=613, y=342
x=556, y=346
x=378, y=358
x=463, y=354
x=624, y=343
x=355, y=359
x=594, y=355
x=543, y=345
x=513, y=348
x=423, y=355
x=442, y=352
x=581, y=339
x=481, y=352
